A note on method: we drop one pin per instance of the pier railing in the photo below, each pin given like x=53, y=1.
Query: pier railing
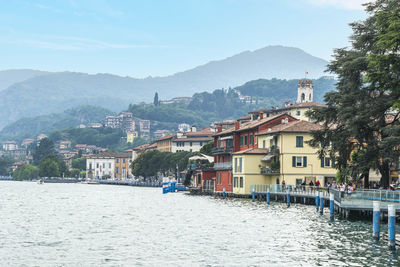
x=364, y=198
x=298, y=189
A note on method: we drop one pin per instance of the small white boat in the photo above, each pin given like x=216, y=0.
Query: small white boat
x=40, y=181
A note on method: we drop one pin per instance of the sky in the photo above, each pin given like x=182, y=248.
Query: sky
x=141, y=38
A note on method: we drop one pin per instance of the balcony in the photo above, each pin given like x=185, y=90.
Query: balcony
x=222, y=150
x=268, y=171
x=273, y=150
x=223, y=165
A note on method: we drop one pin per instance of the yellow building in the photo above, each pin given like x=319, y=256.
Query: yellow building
x=164, y=144
x=282, y=155
x=122, y=164
x=130, y=136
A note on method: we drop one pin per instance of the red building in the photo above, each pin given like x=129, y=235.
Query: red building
x=204, y=179
x=238, y=138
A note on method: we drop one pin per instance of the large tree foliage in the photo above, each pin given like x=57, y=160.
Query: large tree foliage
x=26, y=172
x=43, y=149
x=5, y=165
x=149, y=163
x=361, y=118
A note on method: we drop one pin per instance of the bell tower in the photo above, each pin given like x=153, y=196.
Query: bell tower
x=305, y=91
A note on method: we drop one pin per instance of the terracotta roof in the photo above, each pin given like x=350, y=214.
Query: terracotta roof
x=293, y=126
x=193, y=139
x=255, y=151
x=281, y=109
x=170, y=136
x=202, y=132
x=253, y=124
x=226, y=131
x=247, y=117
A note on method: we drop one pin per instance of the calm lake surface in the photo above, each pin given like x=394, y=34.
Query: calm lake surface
x=92, y=225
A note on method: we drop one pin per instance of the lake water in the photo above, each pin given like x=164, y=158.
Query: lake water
x=92, y=225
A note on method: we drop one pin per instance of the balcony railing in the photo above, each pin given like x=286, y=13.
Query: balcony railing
x=273, y=150
x=269, y=171
x=223, y=165
x=222, y=150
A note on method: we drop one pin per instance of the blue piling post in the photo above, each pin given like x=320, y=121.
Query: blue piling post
x=268, y=196
x=331, y=205
x=321, y=203
x=391, y=226
x=317, y=199
x=223, y=193
x=254, y=195
x=165, y=188
x=288, y=198
x=376, y=219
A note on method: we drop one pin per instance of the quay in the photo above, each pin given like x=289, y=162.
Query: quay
x=129, y=183
x=359, y=203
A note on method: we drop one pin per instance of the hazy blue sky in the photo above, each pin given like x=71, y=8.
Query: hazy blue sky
x=160, y=37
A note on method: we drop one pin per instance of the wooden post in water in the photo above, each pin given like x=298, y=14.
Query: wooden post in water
x=321, y=202
x=288, y=198
x=254, y=195
x=376, y=219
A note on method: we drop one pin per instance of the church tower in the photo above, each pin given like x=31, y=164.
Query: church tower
x=305, y=91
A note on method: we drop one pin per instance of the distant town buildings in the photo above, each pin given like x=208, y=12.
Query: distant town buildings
x=122, y=121
x=26, y=142
x=160, y=133
x=130, y=136
x=183, y=127
x=10, y=146
x=144, y=128
x=41, y=136
x=184, y=99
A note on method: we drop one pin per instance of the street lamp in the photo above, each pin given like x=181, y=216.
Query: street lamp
x=312, y=176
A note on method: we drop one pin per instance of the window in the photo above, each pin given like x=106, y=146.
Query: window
x=299, y=181
x=201, y=143
x=299, y=141
x=97, y=165
x=298, y=113
x=109, y=165
x=263, y=143
x=236, y=162
x=245, y=140
x=117, y=170
x=326, y=162
x=229, y=178
x=235, y=182
x=191, y=143
x=241, y=140
x=240, y=164
x=117, y=160
x=299, y=162
x=90, y=166
x=123, y=160
x=251, y=137
x=241, y=182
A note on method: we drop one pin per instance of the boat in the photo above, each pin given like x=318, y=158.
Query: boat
x=40, y=181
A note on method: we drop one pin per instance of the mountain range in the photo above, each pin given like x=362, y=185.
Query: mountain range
x=27, y=93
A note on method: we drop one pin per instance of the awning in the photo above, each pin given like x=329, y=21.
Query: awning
x=269, y=137
x=202, y=157
x=267, y=158
x=226, y=137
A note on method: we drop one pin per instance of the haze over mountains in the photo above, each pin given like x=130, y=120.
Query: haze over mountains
x=27, y=93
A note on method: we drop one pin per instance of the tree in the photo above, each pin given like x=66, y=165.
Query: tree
x=206, y=149
x=156, y=102
x=5, y=165
x=361, y=121
x=43, y=149
x=49, y=167
x=26, y=172
x=79, y=163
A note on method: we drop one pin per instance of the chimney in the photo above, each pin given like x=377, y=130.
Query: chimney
x=261, y=116
x=219, y=128
x=237, y=125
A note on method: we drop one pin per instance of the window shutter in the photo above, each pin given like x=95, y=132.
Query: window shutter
x=293, y=161
x=304, y=161
x=333, y=163
x=322, y=162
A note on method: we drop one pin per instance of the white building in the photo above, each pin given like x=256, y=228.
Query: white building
x=100, y=166
x=191, y=141
x=305, y=91
x=10, y=146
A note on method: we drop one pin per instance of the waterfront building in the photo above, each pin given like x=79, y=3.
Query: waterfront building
x=123, y=121
x=191, y=141
x=10, y=145
x=100, y=166
x=282, y=154
x=241, y=137
x=123, y=166
x=164, y=144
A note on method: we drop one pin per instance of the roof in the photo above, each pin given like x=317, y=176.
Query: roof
x=253, y=124
x=298, y=105
x=293, y=126
x=170, y=136
x=254, y=151
x=193, y=139
x=202, y=132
